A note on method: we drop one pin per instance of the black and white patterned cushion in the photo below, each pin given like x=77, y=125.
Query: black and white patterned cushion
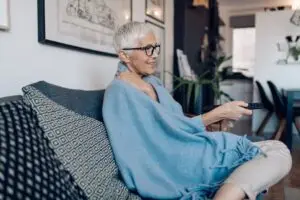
x=84, y=102
x=82, y=145
x=29, y=168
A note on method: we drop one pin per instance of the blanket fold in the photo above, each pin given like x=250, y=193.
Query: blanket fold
x=161, y=153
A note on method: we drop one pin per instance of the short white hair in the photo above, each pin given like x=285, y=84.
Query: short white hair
x=129, y=34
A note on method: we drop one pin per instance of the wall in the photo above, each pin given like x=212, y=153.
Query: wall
x=236, y=8
x=23, y=60
x=271, y=28
x=278, y=26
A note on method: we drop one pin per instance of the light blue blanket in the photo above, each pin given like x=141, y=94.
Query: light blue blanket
x=161, y=153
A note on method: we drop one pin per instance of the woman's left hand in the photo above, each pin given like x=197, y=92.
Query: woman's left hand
x=223, y=125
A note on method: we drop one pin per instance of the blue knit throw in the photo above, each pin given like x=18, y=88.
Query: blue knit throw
x=161, y=153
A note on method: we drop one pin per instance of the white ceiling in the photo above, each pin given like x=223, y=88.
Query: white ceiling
x=243, y=2
x=235, y=1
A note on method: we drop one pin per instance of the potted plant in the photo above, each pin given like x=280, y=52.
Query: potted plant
x=193, y=85
x=295, y=52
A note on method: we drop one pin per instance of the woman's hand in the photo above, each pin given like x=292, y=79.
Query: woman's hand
x=233, y=110
x=230, y=111
x=137, y=82
x=223, y=125
x=226, y=125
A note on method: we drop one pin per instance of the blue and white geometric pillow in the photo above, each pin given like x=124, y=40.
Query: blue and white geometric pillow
x=82, y=145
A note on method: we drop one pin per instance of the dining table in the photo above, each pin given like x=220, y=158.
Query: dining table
x=293, y=99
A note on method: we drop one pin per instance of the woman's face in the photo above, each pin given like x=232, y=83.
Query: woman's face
x=143, y=61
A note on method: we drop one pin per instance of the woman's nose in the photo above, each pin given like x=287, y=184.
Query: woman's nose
x=155, y=54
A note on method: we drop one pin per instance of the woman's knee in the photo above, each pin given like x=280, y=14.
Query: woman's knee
x=279, y=151
x=288, y=158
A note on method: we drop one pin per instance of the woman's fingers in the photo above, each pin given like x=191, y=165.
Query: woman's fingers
x=238, y=112
x=242, y=107
x=234, y=110
x=245, y=111
x=236, y=117
x=241, y=103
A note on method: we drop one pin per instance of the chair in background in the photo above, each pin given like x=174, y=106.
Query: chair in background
x=267, y=105
x=280, y=110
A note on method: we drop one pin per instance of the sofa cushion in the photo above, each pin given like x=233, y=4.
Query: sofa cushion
x=82, y=145
x=10, y=98
x=84, y=102
x=29, y=168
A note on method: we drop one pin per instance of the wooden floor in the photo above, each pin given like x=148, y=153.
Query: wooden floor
x=279, y=191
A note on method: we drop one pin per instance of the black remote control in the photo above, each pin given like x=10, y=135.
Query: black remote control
x=254, y=106
x=251, y=106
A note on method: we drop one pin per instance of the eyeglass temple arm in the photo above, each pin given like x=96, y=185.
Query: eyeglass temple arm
x=137, y=48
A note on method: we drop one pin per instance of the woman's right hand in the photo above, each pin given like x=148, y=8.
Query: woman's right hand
x=233, y=110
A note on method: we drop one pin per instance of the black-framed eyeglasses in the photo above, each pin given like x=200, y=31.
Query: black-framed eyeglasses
x=149, y=49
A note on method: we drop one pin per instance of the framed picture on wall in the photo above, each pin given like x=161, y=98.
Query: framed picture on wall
x=156, y=10
x=82, y=25
x=4, y=14
x=159, y=32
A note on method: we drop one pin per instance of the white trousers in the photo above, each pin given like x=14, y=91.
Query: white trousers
x=257, y=175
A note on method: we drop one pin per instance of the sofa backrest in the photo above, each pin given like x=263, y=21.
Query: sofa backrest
x=84, y=102
x=10, y=98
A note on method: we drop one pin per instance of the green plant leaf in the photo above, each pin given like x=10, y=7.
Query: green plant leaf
x=216, y=91
x=221, y=60
x=178, y=86
x=295, y=53
x=178, y=78
x=189, y=93
x=202, y=75
x=196, y=93
x=227, y=96
x=206, y=82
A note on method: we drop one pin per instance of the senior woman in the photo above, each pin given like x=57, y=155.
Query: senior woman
x=161, y=153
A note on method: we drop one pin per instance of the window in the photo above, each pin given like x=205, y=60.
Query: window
x=243, y=57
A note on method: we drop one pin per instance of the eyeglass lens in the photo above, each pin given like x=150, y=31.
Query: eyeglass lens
x=150, y=50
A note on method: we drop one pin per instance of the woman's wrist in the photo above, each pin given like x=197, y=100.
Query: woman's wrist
x=212, y=117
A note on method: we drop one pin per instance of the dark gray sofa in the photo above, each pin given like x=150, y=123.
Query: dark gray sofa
x=87, y=103
x=10, y=98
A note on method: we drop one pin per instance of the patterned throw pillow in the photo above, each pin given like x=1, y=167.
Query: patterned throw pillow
x=83, y=102
x=82, y=145
x=29, y=168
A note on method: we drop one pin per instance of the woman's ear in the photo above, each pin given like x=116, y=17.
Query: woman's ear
x=124, y=57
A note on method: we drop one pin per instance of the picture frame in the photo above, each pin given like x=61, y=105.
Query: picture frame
x=155, y=9
x=159, y=32
x=4, y=15
x=82, y=25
